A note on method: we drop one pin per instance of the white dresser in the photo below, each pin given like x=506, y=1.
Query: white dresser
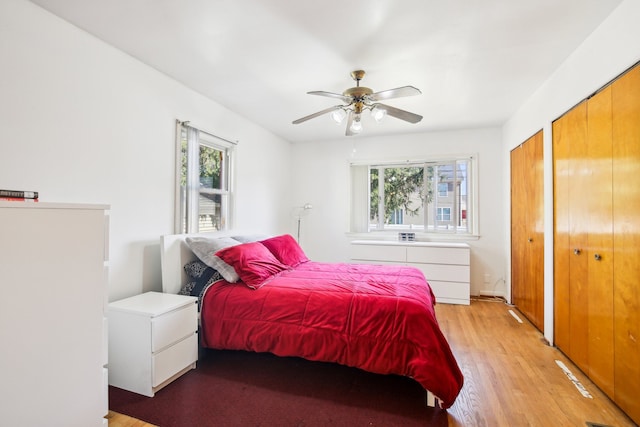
x=153, y=339
x=446, y=266
x=53, y=276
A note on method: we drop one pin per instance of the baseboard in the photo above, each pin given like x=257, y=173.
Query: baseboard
x=487, y=293
x=492, y=295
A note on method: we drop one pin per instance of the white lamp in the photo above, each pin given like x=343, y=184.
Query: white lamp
x=356, y=125
x=338, y=115
x=378, y=113
x=300, y=212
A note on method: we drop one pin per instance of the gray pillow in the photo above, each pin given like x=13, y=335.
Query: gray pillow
x=249, y=238
x=205, y=248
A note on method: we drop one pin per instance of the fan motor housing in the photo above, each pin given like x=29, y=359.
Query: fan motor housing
x=358, y=92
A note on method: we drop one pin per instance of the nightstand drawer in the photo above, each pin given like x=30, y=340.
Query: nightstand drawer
x=173, y=326
x=173, y=359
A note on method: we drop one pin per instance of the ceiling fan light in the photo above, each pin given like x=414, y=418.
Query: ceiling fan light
x=356, y=125
x=338, y=115
x=378, y=114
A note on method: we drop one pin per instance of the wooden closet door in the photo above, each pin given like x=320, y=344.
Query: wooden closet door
x=561, y=129
x=571, y=222
x=518, y=211
x=578, y=240
x=626, y=219
x=599, y=255
x=527, y=229
x=534, y=178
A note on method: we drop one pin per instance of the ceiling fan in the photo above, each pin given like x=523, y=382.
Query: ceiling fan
x=358, y=99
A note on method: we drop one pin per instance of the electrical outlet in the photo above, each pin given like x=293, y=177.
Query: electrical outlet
x=487, y=278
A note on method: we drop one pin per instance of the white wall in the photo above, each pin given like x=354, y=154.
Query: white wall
x=83, y=122
x=608, y=51
x=321, y=177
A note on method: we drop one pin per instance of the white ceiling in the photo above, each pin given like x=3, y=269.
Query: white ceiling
x=475, y=61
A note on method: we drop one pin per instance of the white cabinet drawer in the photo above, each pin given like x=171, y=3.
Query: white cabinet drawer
x=445, y=273
x=379, y=253
x=450, y=292
x=173, y=359
x=173, y=326
x=436, y=255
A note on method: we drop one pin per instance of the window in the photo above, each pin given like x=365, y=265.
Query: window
x=444, y=214
x=423, y=196
x=204, y=187
x=443, y=189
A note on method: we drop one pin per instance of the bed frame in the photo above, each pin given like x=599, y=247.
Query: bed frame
x=175, y=253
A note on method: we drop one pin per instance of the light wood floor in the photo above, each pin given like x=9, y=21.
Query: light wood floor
x=511, y=375
x=120, y=420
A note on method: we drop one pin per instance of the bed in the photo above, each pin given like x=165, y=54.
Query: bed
x=261, y=293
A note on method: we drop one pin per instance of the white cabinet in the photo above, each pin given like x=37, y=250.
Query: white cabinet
x=446, y=266
x=153, y=339
x=53, y=275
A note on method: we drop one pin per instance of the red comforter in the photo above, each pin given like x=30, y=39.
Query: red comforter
x=377, y=318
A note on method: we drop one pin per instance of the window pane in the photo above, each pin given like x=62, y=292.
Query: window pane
x=374, y=197
x=211, y=168
x=463, y=195
x=209, y=214
x=402, y=198
x=444, y=201
x=450, y=206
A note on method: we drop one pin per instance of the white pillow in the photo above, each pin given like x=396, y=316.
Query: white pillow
x=205, y=248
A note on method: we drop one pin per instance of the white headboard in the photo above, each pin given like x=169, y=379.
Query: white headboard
x=175, y=253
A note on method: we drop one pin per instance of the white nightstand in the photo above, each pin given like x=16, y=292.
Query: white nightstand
x=153, y=339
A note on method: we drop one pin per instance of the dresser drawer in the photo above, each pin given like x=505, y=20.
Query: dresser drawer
x=436, y=255
x=173, y=326
x=451, y=292
x=172, y=360
x=445, y=273
x=390, y=254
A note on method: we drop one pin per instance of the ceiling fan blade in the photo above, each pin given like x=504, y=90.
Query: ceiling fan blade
x=400, y=114
x=344, y=98
x=394, y=93
x=319, y=113
x=350, y=117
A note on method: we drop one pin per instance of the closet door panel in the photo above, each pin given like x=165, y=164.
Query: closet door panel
x=626, y=218
x=561, y=248
x=518, y=211
x=571, y=216
x=527, y=230
x=600, y=241
x=535, y=229
x=578, y=238
x=571, y=231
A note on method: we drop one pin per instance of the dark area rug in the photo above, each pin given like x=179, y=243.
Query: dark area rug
x=236, y=388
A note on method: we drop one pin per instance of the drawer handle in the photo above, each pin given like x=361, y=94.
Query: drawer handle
x=597, y=257
x=576, y=251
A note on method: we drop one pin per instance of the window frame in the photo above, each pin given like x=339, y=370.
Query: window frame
x=357, y=212
x=186, y=212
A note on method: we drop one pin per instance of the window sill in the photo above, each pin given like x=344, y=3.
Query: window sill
x=420, y=237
